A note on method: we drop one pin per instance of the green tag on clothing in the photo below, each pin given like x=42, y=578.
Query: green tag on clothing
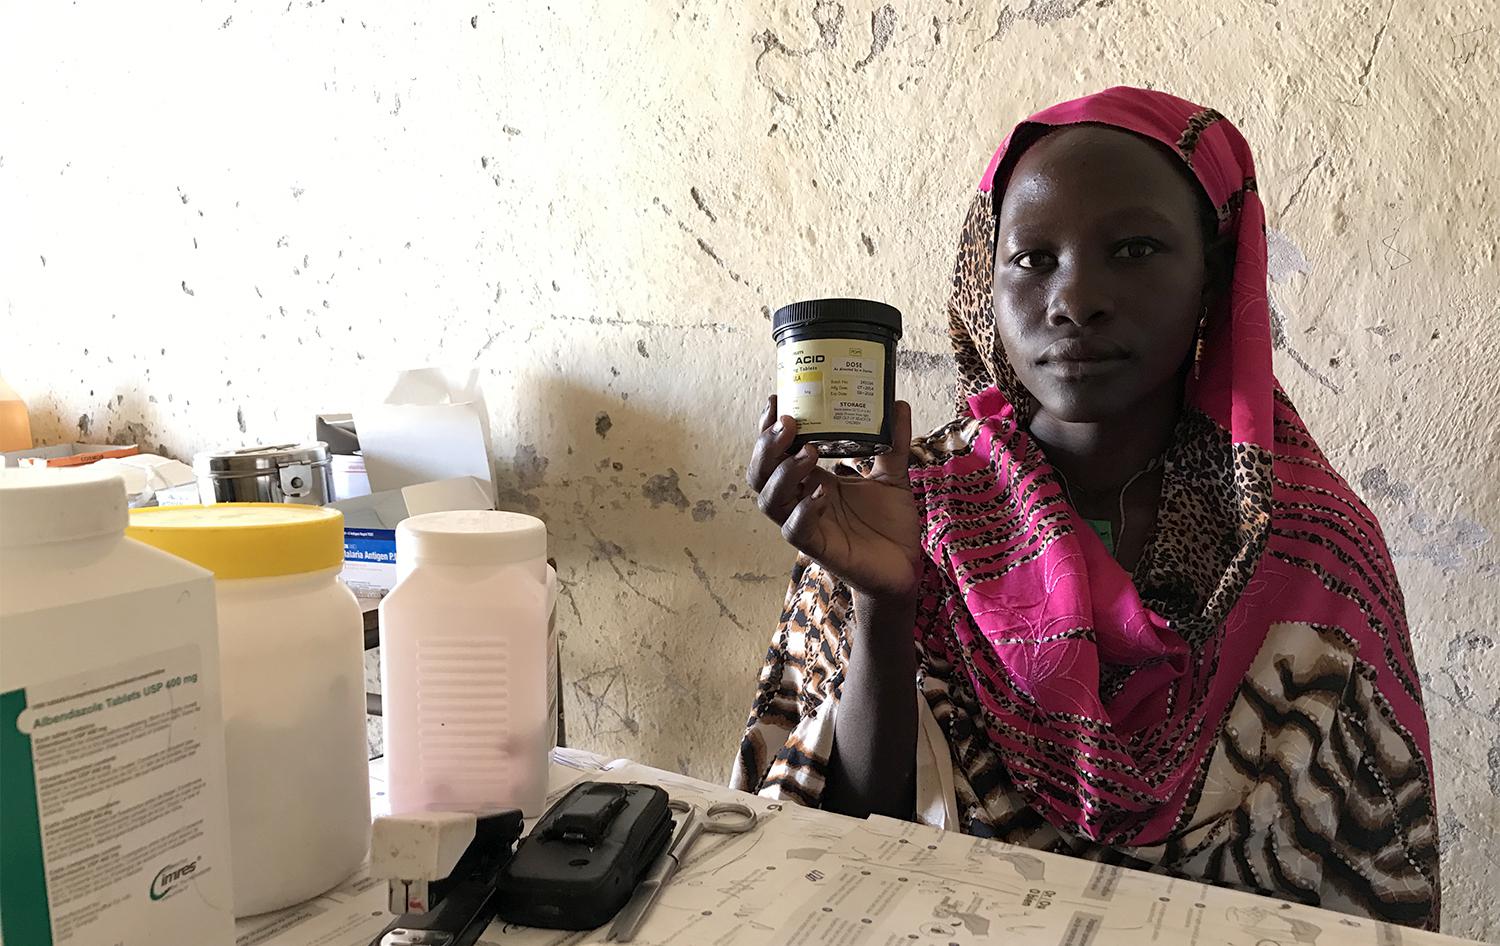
x=1106, y=532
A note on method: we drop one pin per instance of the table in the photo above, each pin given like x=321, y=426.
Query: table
x=811, y=877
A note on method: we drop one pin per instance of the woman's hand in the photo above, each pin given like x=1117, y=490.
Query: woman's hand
x=865, y=530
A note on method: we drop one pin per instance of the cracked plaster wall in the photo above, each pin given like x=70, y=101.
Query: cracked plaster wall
x=222, y=217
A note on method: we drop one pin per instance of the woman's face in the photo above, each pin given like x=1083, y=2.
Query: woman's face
x=1100, y=276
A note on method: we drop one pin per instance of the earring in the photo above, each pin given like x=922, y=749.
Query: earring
x=1198, y=348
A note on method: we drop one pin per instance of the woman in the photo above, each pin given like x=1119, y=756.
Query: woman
x=1152, y=625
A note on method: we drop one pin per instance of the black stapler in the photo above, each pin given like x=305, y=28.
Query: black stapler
x=443, y=869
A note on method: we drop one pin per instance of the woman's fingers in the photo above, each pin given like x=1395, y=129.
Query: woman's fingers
x=894, y=463
x=802, y=525
x=770, y=447
x=784, y=488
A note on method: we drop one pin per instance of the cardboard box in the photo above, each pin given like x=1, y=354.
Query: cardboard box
x=369, y=561
x=338, y=431
x=430, y=426
x=426, y=448
x=155, y=479
x=370, y=526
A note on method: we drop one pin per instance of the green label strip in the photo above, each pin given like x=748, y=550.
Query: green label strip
x=24, y=917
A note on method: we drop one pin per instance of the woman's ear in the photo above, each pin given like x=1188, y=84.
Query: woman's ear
x=1218, y=257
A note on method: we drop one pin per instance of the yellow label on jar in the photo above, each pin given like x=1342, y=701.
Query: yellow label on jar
x=832, y=385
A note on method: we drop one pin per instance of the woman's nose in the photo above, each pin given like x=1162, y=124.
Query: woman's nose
x=1079, y=295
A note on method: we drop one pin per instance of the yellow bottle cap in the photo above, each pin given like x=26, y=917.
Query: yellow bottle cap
x=245, y=540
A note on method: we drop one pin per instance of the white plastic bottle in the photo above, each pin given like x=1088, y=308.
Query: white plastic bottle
x=112, y=777
x=463, y=663
x=293, y=680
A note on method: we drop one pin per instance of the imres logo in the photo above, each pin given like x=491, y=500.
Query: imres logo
x=172, y=876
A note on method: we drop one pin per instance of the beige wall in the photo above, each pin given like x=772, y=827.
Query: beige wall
x=220, y=218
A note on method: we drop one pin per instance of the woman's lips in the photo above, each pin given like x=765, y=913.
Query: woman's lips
x=1077, y=357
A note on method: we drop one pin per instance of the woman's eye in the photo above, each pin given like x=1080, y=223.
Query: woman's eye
x=1032, y=259
x=1135, y=249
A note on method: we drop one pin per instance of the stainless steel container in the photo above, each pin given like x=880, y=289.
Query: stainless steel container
x=284, y=473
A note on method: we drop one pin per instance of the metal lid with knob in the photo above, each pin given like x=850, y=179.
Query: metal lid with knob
x=295, y=473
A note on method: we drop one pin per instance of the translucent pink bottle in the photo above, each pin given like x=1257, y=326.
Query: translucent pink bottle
x=464, y=663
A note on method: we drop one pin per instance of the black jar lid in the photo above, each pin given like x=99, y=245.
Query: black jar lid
x=812, y=311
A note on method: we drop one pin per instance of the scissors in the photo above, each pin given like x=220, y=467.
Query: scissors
x=728, y=817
